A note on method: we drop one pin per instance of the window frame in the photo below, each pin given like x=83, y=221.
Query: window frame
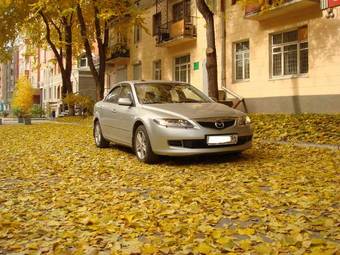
x=156, y=69
x=282, y=46
x=137, y=34
x=186, y=64
x=156, y=23
x=242, y=53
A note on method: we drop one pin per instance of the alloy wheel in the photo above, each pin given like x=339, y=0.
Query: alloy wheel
x=141, y=144
x=97, y=134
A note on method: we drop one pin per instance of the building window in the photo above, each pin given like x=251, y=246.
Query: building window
x=289, y=54
x=178, y=11
x=137, y=71
x=137, y=34
x=241, y=61
x=83, y=61
x=157, y=70
x=181, y=10
x=156, y=23
x=182, y=69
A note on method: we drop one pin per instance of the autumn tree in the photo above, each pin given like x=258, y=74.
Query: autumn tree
x=23, y=97
x=58, y=19
x=98, y=16
x=12, y=17
x=211, y=64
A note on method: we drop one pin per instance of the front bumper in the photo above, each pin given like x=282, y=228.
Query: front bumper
x=185, y=142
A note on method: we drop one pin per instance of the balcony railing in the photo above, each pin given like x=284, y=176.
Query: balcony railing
x=176, y=32
x=272, y=8
x=118, y=53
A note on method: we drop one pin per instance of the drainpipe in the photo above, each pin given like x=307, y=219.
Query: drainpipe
x=223, y=44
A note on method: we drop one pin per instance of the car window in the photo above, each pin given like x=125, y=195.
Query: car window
x=126, y=92
x=163, y=93
x=113, y=96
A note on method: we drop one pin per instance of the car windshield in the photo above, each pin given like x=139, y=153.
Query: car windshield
x=168, y=93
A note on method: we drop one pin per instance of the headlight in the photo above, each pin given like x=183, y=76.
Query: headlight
x=244, y=120
x=175, y=123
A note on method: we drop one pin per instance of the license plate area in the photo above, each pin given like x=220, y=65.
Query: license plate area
x=221, y=139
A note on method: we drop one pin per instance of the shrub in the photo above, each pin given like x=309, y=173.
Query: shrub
x=37, y=111
x=23, y=98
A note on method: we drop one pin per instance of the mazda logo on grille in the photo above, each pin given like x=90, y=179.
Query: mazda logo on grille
x=219, y=124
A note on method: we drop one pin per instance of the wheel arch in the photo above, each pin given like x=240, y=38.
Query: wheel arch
x=138, y=123
x=95, y=119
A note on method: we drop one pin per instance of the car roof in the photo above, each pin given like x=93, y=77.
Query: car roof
x=152, y=81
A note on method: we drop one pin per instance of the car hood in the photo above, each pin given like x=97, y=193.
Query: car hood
x=195, y=110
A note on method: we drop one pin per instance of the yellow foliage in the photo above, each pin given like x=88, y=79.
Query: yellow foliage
x=59, y=194
x=23, y=96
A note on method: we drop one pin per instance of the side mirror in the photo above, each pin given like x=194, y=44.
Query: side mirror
x=125, y=101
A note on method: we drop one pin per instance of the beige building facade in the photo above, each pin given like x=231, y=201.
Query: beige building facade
x=284, y=59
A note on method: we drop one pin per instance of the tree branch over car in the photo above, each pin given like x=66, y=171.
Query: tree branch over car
x=100, y=17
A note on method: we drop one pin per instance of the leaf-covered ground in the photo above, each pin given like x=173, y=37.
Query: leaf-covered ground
x=59, y=194
x=313, y=128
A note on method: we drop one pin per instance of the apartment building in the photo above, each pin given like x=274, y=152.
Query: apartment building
x=51, y=82
x=279, y=58
x=8, y=76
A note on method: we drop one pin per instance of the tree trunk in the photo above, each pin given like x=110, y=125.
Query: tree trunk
x=69, y=54
x=98, y=75
x=211, y=48
x=65, y=71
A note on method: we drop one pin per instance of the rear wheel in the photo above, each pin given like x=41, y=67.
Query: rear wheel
x=99, y=139
x=142, y=146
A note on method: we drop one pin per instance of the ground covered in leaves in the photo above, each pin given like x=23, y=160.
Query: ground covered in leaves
x=59, y=194
x=313, y=128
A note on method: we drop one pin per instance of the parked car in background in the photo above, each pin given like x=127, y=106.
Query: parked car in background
x=168, y=118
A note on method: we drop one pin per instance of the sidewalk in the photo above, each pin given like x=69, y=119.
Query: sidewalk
x=14, y=121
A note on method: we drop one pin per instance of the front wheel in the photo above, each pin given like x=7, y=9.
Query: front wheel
x=142, y=146
x=99, y=139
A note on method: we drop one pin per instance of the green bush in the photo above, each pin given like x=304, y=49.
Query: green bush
x=37, y=111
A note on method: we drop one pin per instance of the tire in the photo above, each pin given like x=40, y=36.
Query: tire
x=142, y=146
x=99, y=139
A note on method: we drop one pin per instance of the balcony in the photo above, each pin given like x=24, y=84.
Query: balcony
x=270, y=9
x=118, y=54
x=174, y=33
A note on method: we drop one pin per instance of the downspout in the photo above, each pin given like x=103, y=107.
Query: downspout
x=223, y=44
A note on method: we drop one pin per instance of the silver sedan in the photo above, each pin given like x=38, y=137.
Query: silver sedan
x=168, y=118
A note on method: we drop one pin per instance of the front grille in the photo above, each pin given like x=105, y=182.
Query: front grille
x=202, y=143
x=211, y=124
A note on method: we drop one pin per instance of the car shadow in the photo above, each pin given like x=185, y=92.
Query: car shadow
x=206, y=159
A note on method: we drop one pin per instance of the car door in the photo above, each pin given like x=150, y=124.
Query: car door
x=125, y=116
x=108, y=113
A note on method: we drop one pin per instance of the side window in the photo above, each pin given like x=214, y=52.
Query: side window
x=113, y=96
x=126, y=92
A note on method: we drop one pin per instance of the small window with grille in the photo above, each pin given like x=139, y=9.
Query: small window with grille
x=289, y=53
x=241, y=61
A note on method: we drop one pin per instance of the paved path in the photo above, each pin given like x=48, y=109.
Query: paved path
x=15, y=121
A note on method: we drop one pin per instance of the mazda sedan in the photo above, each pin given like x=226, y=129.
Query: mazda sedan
x=168, y=118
